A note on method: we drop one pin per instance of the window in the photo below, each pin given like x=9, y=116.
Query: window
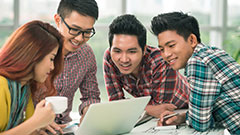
x=7, y=14
x=218, y=19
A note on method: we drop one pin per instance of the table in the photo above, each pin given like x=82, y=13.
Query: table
x=148, y=129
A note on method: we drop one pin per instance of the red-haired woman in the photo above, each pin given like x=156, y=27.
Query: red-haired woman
x=30, y=58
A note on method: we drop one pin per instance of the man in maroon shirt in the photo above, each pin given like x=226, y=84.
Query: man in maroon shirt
x=75, y=20
x=139, y=69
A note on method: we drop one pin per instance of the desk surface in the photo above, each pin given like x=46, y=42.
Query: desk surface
x=148, y=129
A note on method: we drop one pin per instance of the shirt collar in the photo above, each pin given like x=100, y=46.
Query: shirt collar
x=71, y=54
x=196, y=50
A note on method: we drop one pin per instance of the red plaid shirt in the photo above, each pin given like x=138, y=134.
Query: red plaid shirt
x=79, y=72
x=157, y=79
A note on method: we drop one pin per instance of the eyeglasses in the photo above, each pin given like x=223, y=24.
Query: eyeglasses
x=75, y=32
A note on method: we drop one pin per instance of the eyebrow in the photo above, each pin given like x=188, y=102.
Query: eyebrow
x=167, y=43
x=131, y=49
x=78, y=27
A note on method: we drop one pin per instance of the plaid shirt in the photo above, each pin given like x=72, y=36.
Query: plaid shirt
x=157, y=79
x=214, y=77
x=79, y=72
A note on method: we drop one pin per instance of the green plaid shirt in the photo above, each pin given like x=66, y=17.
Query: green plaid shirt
x=214, y=77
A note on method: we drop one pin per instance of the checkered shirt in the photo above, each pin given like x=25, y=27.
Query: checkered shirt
x=214, y=78
x=156, y=79
x=79, y=73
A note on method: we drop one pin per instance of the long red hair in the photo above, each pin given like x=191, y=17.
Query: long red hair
x=27, y=46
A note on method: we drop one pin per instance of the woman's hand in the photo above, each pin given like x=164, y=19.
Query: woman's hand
x=43, y=115
x=54, y=128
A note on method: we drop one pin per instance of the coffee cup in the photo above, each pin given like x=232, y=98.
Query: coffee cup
x=59, y=103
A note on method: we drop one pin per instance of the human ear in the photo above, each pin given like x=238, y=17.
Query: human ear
x=193, y=40
x=57, y=19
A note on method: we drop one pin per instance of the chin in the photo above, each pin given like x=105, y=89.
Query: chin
x=125, y=73
x=175, y=68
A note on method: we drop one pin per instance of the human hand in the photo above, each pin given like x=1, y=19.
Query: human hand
x=43, y=115
x=174, y=120
x=157, y=110
x=53, y=128
x=84, y=112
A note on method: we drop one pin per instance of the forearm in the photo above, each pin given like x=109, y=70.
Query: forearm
x=200, y=120
x=114, y=90
x=26, y=128
x=150, y=110
x=89, y=91
x=157, y=110
x=204, y=92
x=200, y=109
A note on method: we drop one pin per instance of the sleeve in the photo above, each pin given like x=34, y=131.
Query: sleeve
x=169, y=86
x=112, y=80
x=89, y=86
x=202, y=96
x=5, y=103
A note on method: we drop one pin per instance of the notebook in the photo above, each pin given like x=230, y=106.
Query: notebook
x=112, y=118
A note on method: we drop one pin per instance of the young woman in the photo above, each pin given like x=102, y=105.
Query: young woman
x=30, y=59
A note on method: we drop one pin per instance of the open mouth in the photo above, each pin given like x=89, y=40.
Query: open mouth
x=125, y=66
x=76, y=44
x=172, y=61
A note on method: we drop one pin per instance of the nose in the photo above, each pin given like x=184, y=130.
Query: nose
x=167, y=53
x=52, y=66
x=124, y=57
x=79, y=37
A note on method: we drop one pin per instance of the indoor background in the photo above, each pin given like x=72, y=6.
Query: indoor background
x=219, y=22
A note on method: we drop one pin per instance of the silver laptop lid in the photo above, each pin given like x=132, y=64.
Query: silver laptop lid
x=115, y=117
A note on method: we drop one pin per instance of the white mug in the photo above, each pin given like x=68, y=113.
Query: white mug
x=59, y=103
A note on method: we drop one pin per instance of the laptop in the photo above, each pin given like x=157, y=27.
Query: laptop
x=112, y=118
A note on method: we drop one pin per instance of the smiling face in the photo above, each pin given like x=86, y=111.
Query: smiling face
x=126, y=53
x=77, y=22
x=174, y=49
x=45, y=66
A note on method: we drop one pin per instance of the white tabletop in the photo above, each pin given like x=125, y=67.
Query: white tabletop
x=148, y=128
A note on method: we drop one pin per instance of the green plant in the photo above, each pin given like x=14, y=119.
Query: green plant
x=237, y=56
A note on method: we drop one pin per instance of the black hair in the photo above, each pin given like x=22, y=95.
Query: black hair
x=128, y=24
x=183, y=24
x=83, y=7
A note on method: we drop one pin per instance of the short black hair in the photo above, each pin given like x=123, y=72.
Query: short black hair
x=83, y=7
x=128, y=24
x=183, y=24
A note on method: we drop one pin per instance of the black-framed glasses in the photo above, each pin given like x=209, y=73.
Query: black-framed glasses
x=75, y=32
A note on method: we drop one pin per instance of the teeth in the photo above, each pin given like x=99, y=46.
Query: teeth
x=171, y=60
x=76, y=44
x=125, y=65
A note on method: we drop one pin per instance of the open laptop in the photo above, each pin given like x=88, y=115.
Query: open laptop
x=112, y=118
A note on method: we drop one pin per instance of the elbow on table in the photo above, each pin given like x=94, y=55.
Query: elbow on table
x=200, y=127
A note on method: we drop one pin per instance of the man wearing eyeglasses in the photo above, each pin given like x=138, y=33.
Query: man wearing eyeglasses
x=75, y=20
